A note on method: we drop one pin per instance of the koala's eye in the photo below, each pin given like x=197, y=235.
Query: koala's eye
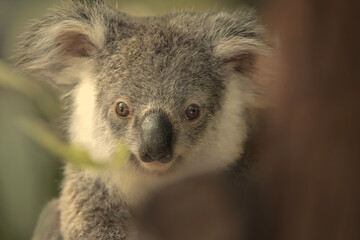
x=122, y=109
x=192, y=112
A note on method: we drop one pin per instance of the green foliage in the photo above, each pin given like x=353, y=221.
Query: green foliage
x=39, y=132
x=72, y=154
x=31, y=89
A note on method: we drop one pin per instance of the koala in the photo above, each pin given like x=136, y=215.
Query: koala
x=176, y=88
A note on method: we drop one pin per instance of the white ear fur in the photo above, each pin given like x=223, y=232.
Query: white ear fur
x=237, y=46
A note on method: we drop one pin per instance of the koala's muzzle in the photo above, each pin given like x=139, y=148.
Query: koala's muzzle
x=156, y=138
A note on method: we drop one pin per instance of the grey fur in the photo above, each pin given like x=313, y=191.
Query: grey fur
x=92, y=52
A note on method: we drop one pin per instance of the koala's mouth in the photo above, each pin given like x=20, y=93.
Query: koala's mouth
x=154, y=167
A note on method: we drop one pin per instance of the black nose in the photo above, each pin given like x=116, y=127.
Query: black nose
x=156, y=137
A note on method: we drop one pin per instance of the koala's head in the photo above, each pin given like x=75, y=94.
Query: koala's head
x=176, y=88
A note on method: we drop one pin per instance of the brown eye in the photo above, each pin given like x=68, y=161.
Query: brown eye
x=192, y=112
x=122, y=109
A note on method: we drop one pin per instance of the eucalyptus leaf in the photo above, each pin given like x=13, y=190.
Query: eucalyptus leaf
x=38, y=131
x=33, y=90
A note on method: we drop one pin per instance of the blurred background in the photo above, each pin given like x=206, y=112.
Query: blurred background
x=29, y=175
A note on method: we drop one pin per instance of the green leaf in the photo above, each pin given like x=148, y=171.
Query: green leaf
x=37, y=130
x=31, y=89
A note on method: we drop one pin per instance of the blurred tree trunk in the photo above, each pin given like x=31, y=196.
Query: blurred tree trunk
x=311, y=175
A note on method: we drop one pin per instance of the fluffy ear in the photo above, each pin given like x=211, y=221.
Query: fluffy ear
x=238, y=39
x=56, y=47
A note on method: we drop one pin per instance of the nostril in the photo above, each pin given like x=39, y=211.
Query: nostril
x=163, y=158
x=146, y=158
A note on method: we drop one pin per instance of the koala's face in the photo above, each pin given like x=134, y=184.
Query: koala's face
x=174, y=88
x=160, y=95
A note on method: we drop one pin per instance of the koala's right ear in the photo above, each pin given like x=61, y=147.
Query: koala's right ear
x=238, y=39
x=56, y=47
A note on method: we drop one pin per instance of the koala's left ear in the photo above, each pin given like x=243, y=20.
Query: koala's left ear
x=56, y=47
x=238, y=40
